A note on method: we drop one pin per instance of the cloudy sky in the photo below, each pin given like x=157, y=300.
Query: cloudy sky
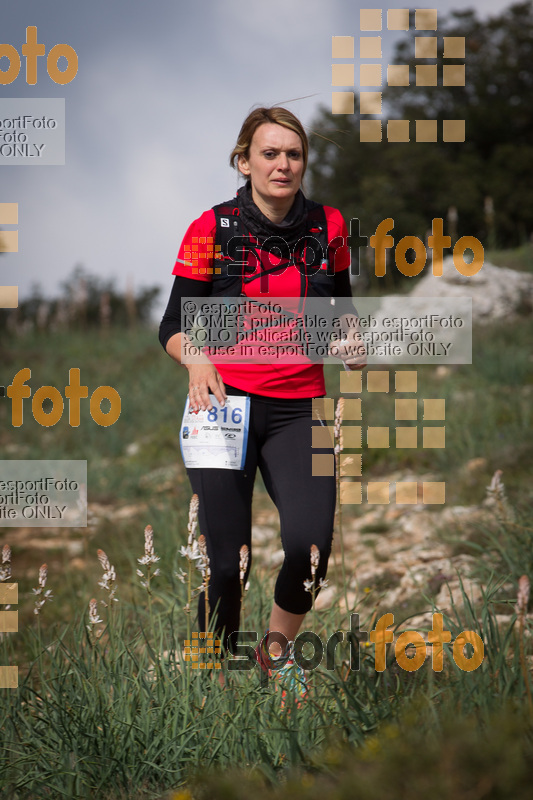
x=151, y=117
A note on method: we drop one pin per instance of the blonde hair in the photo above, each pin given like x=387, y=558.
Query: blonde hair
x=277, y=115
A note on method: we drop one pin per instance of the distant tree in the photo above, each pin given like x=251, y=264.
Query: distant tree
x=414, y=182
x=84, y=301
x=496, y=99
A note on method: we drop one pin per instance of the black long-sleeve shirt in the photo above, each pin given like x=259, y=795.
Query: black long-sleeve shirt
x=190, y=287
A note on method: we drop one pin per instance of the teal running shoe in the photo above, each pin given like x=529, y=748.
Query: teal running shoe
x=290, y=677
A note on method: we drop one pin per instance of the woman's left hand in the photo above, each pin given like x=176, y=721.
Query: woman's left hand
x=351, y=349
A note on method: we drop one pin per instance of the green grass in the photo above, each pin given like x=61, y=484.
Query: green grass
x=489, y=414
x=521, y=258
x=115, y=709
x=107, y=717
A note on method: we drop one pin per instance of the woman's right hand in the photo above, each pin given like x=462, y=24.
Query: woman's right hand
x=203, y=379
x=203, y=375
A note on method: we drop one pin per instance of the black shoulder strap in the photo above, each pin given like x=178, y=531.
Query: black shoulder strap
x=228, y=224
x=227, y=274
x=316, y=216
x=317, y=229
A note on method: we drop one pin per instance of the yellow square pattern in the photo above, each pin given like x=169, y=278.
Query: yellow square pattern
x=194, y=653
x=351, y=382
x=453, y=130
x=433, y=492
x=453, y=75
x=406, y=492
x=9, y=213
x=378, y=492
x=9, y=621
x=406, y=437
x=370, y=47
x=9, y=295
x=9, y=593
x=9, y=677
x=425, y=47
x=202, y=248
x=352, y=436
x=370, y=130
x=322, y=465
x=426, y=75
x=398, y=75
x=370, y=102
x=342, y=47
x=377, y=437
x=342, y=102
x=322, y=436
x=352, y=409
x=406, y=381
x=351, y=466
x=426, y=130
x=398, y=19
x=9, y=241
x=351, y=493
x=406, y=409
x=342, y=75
x=434, y=409
x=426, y=19
x=433, y=437
x=398, y=130
x=323, y=408
x=377, y=380
x=454, y=47
x=370, y=19
x=370, y=75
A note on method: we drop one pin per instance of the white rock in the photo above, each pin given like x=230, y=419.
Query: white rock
x=496, y=292
x=261, y=534
x=325, y=598
x=276, y=558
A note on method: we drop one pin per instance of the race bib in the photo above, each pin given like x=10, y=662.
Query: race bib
x=216, y=438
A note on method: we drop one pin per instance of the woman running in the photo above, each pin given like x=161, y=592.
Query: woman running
x=272, y=223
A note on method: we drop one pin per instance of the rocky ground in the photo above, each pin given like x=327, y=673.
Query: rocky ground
x=406, y=559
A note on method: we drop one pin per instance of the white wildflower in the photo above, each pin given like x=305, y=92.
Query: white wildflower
x=497, y=498
x=45, y=594
x=109, y=577
x=149, y=553
x=496, y=489
x=94, y=619
x=148, y=559
x=192, y=551
x=193, y=518
x=523, y=597
x=244, y=557
x=337, y=428
x=315, y=559
x=5, y=568
x=203, y=564
x=181, y=575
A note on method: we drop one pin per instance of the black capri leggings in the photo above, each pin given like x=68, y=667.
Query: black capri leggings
x=279, y=443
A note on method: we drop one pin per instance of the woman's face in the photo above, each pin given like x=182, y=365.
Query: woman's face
x=275, y=164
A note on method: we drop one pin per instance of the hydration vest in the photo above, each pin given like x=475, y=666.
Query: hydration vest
x=233, y=245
